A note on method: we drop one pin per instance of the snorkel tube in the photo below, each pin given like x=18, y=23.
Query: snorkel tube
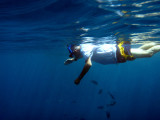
x=70, y=51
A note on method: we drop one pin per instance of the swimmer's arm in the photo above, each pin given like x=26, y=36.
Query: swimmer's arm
x=86, y=68
x=69, y=61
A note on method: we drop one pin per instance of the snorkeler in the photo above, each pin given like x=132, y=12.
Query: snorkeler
x=118, y=52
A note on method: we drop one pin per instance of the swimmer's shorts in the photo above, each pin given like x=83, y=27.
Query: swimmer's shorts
x=123, y=52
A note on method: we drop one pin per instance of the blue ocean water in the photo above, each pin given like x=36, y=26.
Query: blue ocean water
x=36, y=85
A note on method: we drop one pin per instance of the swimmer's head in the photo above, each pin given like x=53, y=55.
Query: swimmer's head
x=74, y=51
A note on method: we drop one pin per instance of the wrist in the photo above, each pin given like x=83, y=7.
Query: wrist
x=80, y=77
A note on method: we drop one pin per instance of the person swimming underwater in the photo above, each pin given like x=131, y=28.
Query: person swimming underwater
x=118, y=52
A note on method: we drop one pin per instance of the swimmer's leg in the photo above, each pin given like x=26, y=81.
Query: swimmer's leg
x=154, y=49
x=148, y=45
x=142, y=53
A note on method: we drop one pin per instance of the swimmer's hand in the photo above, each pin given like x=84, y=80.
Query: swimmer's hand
x=69, y=61
x=77, y=81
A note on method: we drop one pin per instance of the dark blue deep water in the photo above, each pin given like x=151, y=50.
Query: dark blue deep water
x=36, y=85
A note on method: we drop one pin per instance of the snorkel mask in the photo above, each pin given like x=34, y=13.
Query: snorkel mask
x=70, y=51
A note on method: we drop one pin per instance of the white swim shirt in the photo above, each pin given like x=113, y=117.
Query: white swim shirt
x=103, y=54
